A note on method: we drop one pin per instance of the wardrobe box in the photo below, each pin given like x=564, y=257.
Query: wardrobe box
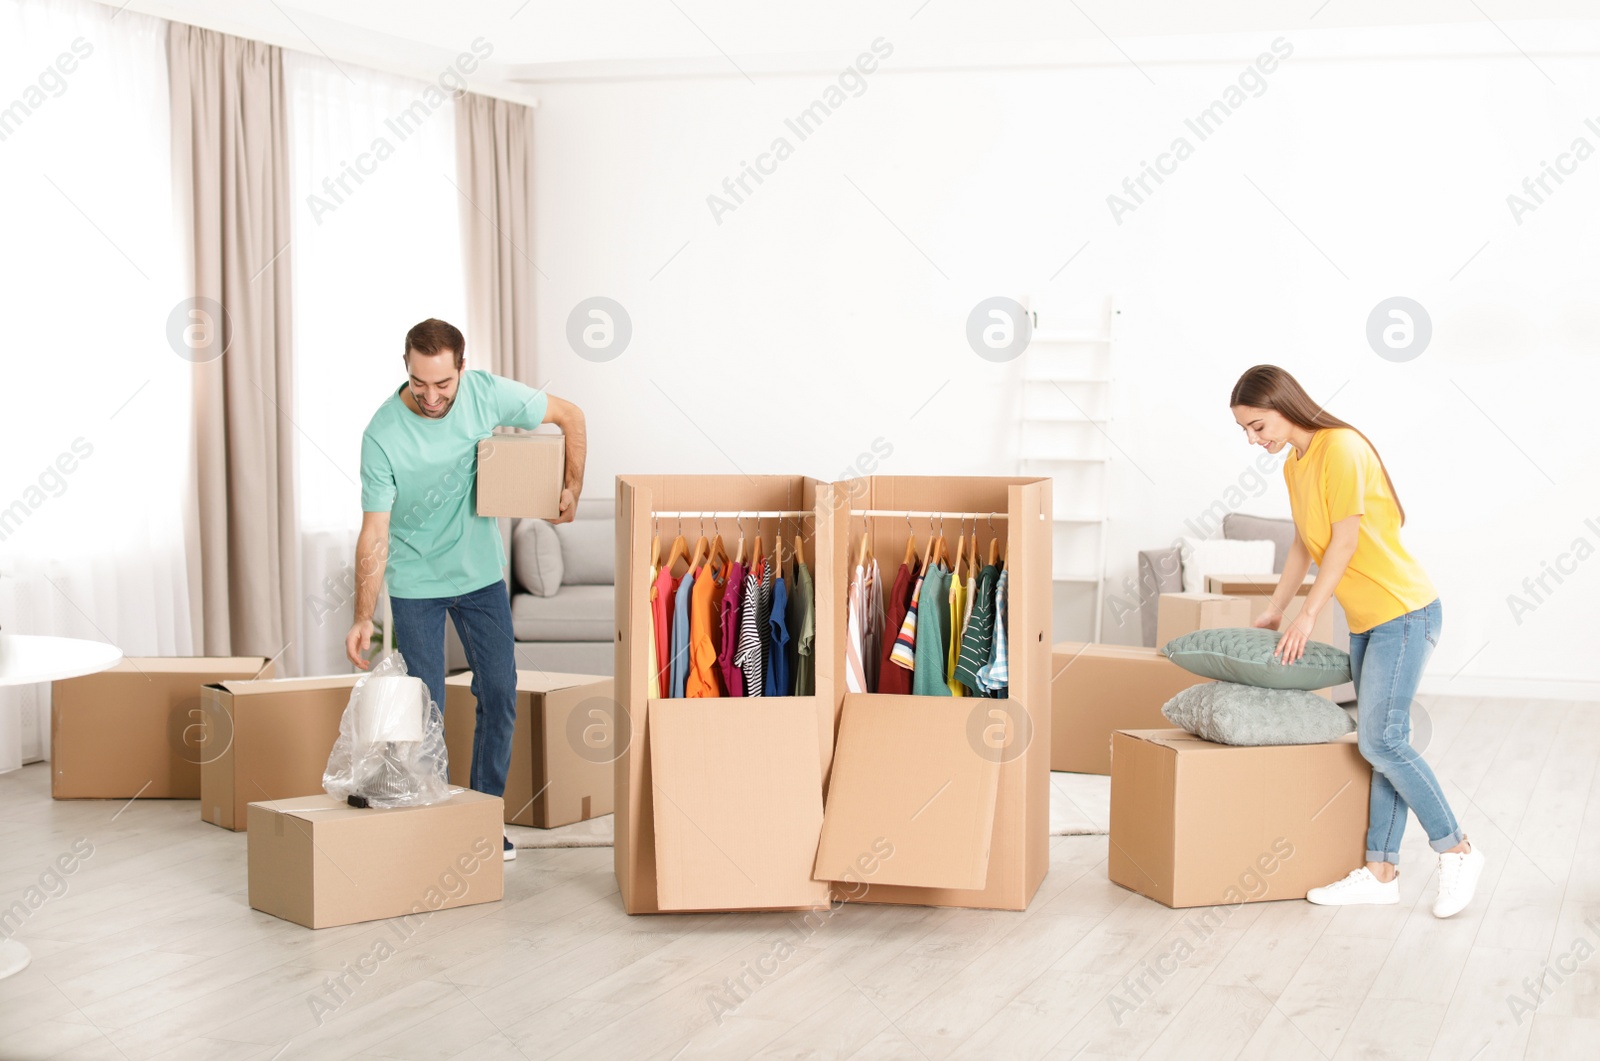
x=138, y=729
x=1201, y=824
x=521, y=475
x=718, y=801
x=930, y=801
x=561, y=748
x=1096, y=690
x=1184, y=613
x=319, y=862
x=945, y=801
x=272, y=741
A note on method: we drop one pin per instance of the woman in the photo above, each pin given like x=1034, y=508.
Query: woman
x=1347, y=518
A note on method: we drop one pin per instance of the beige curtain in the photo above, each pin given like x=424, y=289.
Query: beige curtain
x=494, y=174
x=231, y=172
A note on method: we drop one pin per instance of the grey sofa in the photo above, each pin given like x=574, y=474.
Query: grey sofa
x=563, y=593
x=1161, y=571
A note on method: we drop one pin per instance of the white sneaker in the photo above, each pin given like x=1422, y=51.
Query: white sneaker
x=1458, y=879
x=1358, y=889
x=508, y=850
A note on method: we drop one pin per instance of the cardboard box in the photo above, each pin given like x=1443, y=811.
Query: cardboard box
x=718, y=800
x=319, y=862
x=561, y=762
x=138, y=729
x=521, y=475
x=1201, y=824
x=274, y=738
x=1099, y=689
x=1258, y=590
x=1184, y=613
x=915, y=773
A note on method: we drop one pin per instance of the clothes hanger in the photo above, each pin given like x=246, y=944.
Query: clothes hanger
x=739, y=522
x=680, y=550
x=940, y=544
x=961, y=550
x=718, y=556
x=927, y=554
x=994, y=542
x=972, y=560
x=861, y=557
x=701, y=546
x=910, y=560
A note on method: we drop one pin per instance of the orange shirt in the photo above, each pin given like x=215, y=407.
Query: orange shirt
x=705, y=610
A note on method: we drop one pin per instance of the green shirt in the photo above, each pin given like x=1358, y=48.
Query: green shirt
x=425, y=474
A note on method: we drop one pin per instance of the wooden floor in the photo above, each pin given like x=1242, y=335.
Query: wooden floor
x=153, y=952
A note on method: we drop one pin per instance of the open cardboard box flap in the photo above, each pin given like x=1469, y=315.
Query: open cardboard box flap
x=735, y=830
x=915, y=772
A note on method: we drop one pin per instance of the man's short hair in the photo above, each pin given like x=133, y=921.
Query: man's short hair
x=432, y=336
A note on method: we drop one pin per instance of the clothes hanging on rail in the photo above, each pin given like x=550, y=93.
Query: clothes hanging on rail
x=803, y=629
x=728, y=647
x=777, y=665
x=904, y=653
x=872, y=625
x=749, y=659
x=933, y=634
x=952, y=648
x=680, y=634
x=977, y=639
x=704, y=679
x=652, y=670
x=995, y=676
x=855, y=670
x=661, y=594
x=892, y=678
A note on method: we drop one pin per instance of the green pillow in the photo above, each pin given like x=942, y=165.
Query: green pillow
x=1244, y=655
x=1226, y=713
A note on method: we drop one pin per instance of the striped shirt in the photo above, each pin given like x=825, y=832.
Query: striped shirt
x=905, y=642
x=977, y=639
x=748, y=658
x=996, y=674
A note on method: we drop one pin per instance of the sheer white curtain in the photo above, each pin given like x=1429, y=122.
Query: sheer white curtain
x=377, y=246
x=94, y=415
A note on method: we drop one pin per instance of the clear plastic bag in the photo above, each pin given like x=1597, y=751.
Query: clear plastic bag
x=390, y=751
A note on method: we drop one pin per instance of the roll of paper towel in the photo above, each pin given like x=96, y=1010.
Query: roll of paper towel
x=390, y=708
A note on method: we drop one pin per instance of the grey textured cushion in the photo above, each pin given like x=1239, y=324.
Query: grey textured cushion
x=536, y=557
x=577, y=613
x=588, y=552
x=1229, y=713
x=1244, y=654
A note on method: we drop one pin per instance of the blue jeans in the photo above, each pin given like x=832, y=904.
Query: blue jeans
x=1386, y=663
x=483, y=619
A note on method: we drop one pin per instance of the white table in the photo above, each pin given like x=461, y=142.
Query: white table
x=27, y=659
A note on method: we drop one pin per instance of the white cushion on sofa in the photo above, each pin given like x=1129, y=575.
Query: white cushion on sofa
x=1209, y=556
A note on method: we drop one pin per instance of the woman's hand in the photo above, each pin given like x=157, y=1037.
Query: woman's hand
x=1292, y=645
x=1269, y=619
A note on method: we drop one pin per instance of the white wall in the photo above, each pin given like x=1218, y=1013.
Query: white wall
x=790, y=335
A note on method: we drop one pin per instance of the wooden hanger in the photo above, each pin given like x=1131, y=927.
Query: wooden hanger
x=972, y=560
x=961, y=555
x=861, y=557
x=799, y=551
x=755, y=557
x=701, y=548
x=718, y=556
x=994, y=550
x=911, y=553
x=655, y=551
x=680, y=549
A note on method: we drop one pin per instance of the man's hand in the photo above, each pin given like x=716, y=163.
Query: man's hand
x=569, y=506
x=356, y=642
x=1269, y=619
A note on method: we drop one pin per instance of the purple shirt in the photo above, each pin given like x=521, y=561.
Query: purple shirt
x=732, y=676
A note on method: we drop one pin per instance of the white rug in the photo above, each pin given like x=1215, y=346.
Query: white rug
x=1080, y=805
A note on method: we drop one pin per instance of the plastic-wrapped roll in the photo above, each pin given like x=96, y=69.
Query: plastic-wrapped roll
x=390, y=708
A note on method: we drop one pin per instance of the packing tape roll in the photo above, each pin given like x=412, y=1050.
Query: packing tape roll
x=390, y=708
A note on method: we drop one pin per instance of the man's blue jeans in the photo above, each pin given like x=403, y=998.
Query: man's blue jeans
x=1386, y=663
x=483, y=619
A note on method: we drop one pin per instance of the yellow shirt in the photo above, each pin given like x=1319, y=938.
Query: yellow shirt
x=1340, y=477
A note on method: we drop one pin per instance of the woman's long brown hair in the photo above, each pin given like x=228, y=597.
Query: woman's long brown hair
x=1270, y=387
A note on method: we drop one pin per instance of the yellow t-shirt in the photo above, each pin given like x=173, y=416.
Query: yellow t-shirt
x=1340, y=477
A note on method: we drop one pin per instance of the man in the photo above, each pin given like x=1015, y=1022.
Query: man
x=419, y=465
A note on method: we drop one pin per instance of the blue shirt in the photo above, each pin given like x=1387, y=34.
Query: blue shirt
x=424, y=473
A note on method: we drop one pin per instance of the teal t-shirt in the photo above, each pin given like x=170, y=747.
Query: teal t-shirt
x=424, y=473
